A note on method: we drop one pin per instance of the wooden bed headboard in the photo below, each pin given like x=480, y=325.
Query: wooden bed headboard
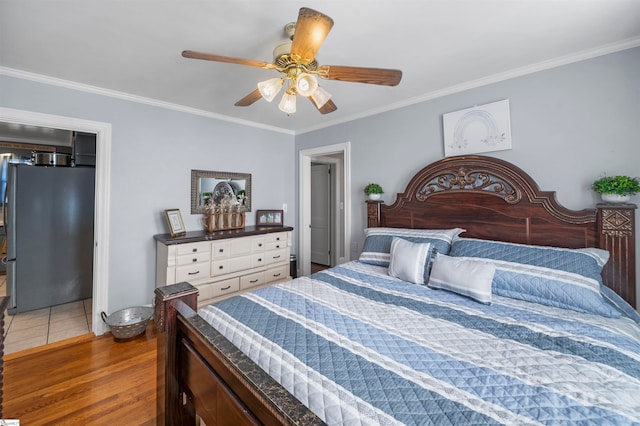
x=494, y=199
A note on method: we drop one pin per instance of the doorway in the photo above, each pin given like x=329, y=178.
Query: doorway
x=336, y=207
x=101, y=218
x=321, y=208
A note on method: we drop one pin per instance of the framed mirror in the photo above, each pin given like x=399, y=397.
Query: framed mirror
x=209, y=187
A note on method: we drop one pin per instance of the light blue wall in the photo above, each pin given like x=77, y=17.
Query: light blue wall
x=569, y=125
x=153, y=152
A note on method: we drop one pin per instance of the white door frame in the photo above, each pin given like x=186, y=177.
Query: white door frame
x=102, y=198
x=304, y=234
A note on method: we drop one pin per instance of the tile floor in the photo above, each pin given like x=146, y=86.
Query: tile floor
x=28, y=330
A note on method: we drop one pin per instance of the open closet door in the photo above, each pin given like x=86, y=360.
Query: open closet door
x=320, y=214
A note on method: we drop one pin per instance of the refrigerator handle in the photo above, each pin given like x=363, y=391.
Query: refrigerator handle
x=4, y=210
x=4, y=224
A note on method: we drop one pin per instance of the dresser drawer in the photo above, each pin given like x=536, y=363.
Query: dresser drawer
x=191, y=248
x=192, y=272
x=257, y=244
x=221, y=250
x=220, y=267
x=240, y=246
x=239, y=263
x=274, y=245
x=258, y=259
x=277, y=273
x=224, y=287
x=189, y=259
x=252, y=280
x=276, y=256
x=277, y=236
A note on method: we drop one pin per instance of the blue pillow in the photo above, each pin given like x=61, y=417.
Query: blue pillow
x=614, y=299
x=553, y=276
x=377, y=244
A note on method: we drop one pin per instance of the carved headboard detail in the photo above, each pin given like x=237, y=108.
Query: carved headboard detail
x=464, y=179
x=494, y=199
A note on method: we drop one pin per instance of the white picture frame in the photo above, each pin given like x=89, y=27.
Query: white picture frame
x=482, y=128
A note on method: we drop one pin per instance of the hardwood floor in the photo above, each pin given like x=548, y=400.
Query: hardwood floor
x=316, y=267
x=92, y=381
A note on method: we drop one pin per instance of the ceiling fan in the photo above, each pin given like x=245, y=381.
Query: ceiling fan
x=296, y=61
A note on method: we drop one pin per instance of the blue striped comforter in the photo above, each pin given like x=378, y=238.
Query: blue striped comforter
x=359, y=347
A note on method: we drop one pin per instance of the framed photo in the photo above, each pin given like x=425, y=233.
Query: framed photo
x=269, y=218
x=174, y=220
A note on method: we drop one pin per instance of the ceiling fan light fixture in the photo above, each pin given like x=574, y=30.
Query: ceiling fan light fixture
x=295, y=60
x=306, y=84
x=270, y=88
x=288, y=103
x=320, y=97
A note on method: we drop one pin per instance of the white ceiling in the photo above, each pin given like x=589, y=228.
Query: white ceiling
x=442, y=46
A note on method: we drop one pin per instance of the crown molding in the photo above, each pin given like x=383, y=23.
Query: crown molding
x=495, y=78
x=39, y=78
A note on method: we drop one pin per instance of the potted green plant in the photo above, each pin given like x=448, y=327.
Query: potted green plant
x=373, y=190
x=616, y=189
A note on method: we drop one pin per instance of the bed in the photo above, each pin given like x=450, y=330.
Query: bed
x=477, y=299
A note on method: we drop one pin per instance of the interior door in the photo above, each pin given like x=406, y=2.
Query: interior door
x=320, y=214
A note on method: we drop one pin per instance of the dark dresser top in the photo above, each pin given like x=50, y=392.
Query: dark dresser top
x=195, y=236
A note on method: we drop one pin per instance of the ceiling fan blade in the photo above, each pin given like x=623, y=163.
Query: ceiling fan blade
x=382, y=76
x=228, y=59
x=250, y=98
x=312, y=28
x=328, y=107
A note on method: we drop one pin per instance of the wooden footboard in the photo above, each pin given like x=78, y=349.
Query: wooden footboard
x=201, y=374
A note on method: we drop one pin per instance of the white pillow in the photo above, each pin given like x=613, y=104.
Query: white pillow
x=469, y=278
x=410, y=261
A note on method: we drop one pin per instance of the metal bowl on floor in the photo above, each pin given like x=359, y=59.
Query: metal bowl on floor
x=128, y=323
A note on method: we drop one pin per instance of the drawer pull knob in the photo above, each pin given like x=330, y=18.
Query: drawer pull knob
x=195, y=259
x=276, y=257
x=260, y=245
x=278, y=246
x=253, y=281
x=193, y=273
x=276, y=275
x=220, y=267
x=221, y=251
x=277, y=238
x=226, y=288
x=195, y=250
x=259, y=259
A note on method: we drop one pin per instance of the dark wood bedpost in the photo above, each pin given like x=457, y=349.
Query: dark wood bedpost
x=373, y=214
x=616, y=230
x=165, y=323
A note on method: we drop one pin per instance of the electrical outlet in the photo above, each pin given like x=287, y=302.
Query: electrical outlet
x=284, y=207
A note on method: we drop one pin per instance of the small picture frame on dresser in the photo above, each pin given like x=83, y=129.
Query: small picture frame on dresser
x=270, y=218
x=174, y=220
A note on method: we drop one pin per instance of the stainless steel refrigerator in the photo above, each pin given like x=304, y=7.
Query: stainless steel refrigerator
x=49, y=217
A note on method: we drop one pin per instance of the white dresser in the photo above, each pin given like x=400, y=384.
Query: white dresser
x=221, y=264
